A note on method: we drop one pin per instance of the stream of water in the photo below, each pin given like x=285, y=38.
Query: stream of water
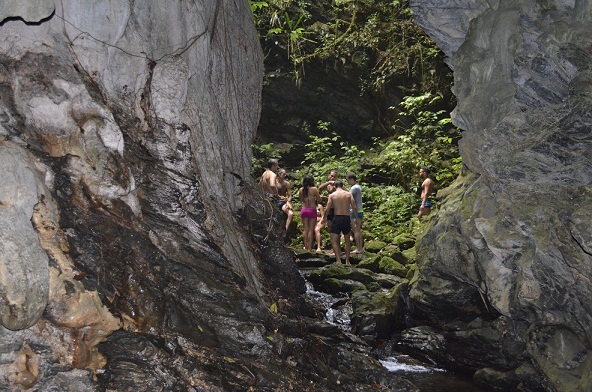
x=425, y=376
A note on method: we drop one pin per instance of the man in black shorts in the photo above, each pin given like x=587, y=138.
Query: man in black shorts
x=340, y=201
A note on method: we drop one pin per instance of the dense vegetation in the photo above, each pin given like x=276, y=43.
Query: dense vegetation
x=377, y=43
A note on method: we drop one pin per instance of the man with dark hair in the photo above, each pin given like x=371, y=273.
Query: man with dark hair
x=284, y=189
x=268, y=179
x=356, y=192
x=330, y=187
x=427, y=187
x=340, y=201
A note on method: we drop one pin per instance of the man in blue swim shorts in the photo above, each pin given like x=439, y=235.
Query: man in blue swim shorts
x=427, y=187
x=356, y=192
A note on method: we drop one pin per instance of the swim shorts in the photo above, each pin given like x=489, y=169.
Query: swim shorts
x=308, y=213
x=360, y=215
x=340, y=224
x=428, y=203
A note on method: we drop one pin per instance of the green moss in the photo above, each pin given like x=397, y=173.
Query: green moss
x=389, y=265
x=404, y=241
x=370, y=263
x=412, y=274
x=374, y=246
x=410, y=255
x=343, y=285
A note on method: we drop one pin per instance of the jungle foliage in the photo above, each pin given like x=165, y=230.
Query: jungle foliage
x=375, y=40
x=378, y=42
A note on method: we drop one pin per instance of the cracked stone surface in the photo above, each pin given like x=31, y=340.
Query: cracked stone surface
x=509, y=246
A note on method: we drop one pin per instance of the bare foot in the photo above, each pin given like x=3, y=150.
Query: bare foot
x=331, y=255
x=319, y=250
x=358, y=251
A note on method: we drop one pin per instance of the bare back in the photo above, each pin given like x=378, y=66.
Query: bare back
x=341, y=200
x=268, y=182
x=312, y=199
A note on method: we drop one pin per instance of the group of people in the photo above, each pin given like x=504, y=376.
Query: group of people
x=343, y=214
x=277, y=185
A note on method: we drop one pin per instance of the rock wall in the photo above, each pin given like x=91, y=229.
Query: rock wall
x=125, y=193
x=506, y=266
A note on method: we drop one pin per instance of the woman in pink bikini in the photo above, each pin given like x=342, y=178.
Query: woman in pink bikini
x=309, y=197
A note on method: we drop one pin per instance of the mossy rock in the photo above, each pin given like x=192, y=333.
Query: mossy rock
x=370, y=263
x=340, y=271
x=374, y=246
x=412, y=274
x=376, y=314
x=374, y=286
x=394, y=252
x=388, y=265
x=334, y=286
x=404, y=241
x=410, y=255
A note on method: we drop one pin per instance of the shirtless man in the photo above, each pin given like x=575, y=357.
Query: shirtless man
x=268, y=179
x=356, y=192
x=427, y=187
x=330, y=187
x=284, y=189
x=340, y=201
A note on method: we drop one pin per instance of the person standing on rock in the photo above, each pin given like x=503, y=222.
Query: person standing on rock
x=309, y=196
x=427, y=187
x=330, y=187
x=267, y=182
x=319, y=226
x=356, y=219
x=284, y=189
x=340, y=201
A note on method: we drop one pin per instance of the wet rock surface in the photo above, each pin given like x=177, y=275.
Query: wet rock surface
x=137, y=254
x=506, y=264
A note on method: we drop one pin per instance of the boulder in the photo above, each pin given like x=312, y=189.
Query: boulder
x=509, y=237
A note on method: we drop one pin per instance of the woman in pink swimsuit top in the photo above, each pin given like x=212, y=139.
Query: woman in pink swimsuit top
x=309, y=197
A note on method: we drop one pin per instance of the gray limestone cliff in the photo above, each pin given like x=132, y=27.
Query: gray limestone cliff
x=506, y=267
x=136, y=252
x=124, y=150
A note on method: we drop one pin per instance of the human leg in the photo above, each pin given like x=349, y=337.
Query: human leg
x=345, y=225
x=287, y=209
x=357, y=231
x=335, y=239
x=347, y=248
x=309, y=233
x=423, y=212
x=318, y=237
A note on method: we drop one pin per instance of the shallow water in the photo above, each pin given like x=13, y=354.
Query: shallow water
x=428, y=378
x=425, y=376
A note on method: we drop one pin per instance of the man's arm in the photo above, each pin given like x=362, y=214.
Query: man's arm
x=328, y=208
x=326, y=184
x=288, y=192
x=354, y=207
